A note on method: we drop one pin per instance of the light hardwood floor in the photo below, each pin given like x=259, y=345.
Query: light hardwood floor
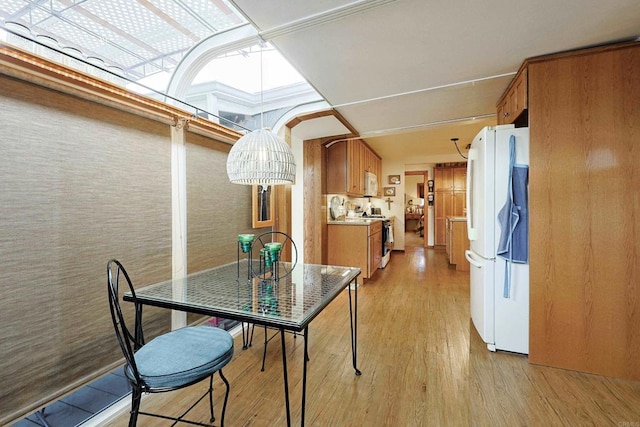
x=411, y=239
x=422, y=364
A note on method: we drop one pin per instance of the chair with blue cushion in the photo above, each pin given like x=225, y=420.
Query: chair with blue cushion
x=170, y=361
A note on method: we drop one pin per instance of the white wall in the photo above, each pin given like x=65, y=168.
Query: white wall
x=396, y=207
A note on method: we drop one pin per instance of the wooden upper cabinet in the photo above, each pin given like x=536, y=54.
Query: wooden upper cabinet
x=443, y=178
x=460, y=178
x=355, y=167
x=347, y=162
x=373, y=164
x=337, y=168
x=512, y=105
x=367, y=164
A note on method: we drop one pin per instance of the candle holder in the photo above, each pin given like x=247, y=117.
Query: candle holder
x=273, y=252
x=245, y=246
x=270, y=265
x=245, y=241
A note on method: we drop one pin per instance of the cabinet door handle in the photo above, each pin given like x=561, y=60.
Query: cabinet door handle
x=506, y=114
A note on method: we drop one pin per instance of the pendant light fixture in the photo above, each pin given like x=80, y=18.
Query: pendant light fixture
x=260, y=157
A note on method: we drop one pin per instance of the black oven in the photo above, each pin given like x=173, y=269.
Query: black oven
x=386, y=234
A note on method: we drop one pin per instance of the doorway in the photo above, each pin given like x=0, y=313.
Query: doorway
x=415, y=218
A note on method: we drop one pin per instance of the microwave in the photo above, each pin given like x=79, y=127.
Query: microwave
x=370, y=184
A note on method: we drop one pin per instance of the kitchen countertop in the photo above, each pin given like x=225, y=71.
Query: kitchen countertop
x=355, y=221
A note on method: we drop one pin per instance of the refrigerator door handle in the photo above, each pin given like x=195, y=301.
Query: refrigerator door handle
x=471, y=259
x=472, y=232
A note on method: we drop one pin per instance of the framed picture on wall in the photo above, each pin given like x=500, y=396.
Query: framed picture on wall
x=394, y=179
x=262, y=206
x=389, y=191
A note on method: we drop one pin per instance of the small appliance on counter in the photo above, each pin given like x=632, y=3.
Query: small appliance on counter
x=370, y=184
x=337, y=209
x=366, y=209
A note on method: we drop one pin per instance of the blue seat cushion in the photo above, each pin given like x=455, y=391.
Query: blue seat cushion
x=183, y=356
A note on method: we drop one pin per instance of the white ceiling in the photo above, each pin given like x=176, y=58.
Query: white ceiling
x=409, y=75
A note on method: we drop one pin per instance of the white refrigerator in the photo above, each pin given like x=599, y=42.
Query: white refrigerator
x=502, y=321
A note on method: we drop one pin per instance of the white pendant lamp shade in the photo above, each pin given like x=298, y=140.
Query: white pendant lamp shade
x=261, y=158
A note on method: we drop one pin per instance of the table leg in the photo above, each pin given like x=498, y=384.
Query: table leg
x=286, y=379
x=304, y=375
x=247, y=335
x=353, y=317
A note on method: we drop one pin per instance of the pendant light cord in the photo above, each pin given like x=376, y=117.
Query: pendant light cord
x=455, y=142
x=261, y=89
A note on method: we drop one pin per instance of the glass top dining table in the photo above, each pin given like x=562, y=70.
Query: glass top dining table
x=287, y=300
x=227, y=291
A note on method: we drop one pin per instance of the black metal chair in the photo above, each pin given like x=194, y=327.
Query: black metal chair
x=170, y=361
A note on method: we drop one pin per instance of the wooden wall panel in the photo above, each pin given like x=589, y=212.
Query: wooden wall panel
x=315, y=201
x=584, y=115
x=282, y=198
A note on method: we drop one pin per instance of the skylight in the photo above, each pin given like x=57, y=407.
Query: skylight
x=139, y=38
x=242, y=70
x=141, y=43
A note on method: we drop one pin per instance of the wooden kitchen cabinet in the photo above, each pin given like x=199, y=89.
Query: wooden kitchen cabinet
x=459, y=203
x=583, y=203
x=355, y=245
x=457, y=242
x=450, y=178
x=347, y=162
x=459, y=178
x=450, y=198
x=443, y=202
x=443, y=179
x=514, y=102
x=355, y=167
x=371, y=161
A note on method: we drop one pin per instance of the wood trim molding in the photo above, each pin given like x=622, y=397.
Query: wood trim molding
x=318, y=114
x=25, y=66
x=580, y=52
